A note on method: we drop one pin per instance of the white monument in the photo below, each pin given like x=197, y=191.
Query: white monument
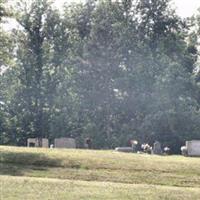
x=65, y=143
x=193, y=148
x=35, y=142
x=124, y=149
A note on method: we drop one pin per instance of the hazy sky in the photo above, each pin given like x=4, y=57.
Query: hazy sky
x=185, y=8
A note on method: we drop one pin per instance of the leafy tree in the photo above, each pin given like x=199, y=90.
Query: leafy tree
x=108, y=70
x=41, y=44
x=124, y=59
x=5, y=61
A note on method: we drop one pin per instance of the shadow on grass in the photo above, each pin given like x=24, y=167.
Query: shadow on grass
x=16, y=170
x=17, y=163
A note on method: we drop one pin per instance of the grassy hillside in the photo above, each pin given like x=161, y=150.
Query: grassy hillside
x=84, y=174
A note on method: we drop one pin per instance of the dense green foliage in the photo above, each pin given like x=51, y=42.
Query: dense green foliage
x=108, y=70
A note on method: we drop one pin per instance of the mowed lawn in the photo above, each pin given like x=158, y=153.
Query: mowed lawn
x=45, y=174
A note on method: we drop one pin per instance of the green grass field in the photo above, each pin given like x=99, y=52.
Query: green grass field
x=50, y=174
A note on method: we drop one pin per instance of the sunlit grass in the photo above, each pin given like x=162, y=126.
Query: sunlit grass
x=52, y=189
x=104, y=174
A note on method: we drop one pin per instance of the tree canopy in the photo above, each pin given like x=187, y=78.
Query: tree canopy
x=108, y=70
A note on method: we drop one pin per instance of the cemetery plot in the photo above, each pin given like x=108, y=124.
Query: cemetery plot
x=45, y=174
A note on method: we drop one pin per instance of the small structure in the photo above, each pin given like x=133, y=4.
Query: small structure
x=146, y=148
x=193, y=148
x=88, y=143
x=166, y=150
x=65, y=143
x=157, y=148
x=124, y=149
x=134, y=145
x=184, y=151
x=37, y=142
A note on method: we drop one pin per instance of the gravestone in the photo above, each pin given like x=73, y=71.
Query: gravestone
x=184, y=151
x=124, y=149
x=157, y=148
x=65, y=143
x=35, y=142
x=193, y=148
x=134, y=145
x=88, y=143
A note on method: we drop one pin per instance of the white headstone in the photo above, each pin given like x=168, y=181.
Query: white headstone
x=35, y=142
x=45, y=143
x=193, y=147
x=65, y=143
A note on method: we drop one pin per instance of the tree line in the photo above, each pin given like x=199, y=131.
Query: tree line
x=107, y=70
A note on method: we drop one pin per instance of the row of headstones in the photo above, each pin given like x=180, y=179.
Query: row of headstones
x=58, y=143
x=192, y=148
x=146, y=148
x=71, y=143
